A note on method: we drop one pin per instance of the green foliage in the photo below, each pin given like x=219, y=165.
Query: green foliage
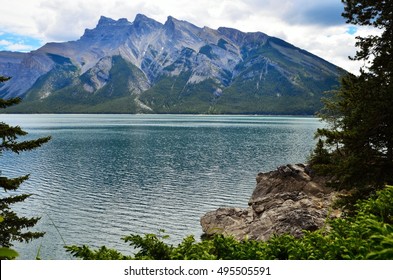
x=7, y=253
x=103, y=253
x=366, y=235
x=13, y=227
x=175, y=95
x=150, y=246
x=359, y=138
x=9, y=102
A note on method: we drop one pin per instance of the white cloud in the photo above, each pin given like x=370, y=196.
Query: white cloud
x=12, y=46
x=16, y=17
x=334, y=44
x=67, y=23
x=4, y=43
x=312, y=25
x=19, y=47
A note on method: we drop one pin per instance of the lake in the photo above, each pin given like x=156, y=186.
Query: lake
x=102, y=177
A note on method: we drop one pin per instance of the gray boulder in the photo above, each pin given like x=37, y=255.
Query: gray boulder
x=287, y=200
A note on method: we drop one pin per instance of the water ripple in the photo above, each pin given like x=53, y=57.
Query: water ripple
x=102, y=177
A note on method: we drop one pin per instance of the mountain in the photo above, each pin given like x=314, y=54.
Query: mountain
x=148, y=67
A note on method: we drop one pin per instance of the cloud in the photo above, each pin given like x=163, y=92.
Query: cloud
x=59, y=20
x=5, y=43
x=65, y=20
x=317, y=13
x=316, y=26
x=301, y=12
x=16, y=47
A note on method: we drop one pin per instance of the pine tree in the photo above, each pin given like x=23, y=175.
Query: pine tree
x=13, y=227
x=359, y=136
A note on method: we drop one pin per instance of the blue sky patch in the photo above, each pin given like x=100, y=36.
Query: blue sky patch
x=15, y=42
x=352, y=30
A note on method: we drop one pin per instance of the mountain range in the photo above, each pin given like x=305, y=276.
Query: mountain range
x=145, y=66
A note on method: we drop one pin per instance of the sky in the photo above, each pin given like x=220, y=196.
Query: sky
x=316, y=26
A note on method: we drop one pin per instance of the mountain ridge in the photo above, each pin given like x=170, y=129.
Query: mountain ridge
x=175, y=67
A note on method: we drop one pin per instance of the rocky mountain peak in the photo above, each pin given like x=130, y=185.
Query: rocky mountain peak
x=107, y=27
x=243, y=38
x=170, y=68
x=185, y=32
x=105, y=22
x=171, y=20
x=143, y=25
x=106, y=30
x=141, y=20
x=170, y=25
x=141, y=17
x=173, y=23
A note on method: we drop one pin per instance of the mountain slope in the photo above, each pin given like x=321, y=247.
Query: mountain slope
x=148, y=67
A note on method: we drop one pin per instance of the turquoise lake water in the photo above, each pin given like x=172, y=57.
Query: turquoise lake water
x=102, y=177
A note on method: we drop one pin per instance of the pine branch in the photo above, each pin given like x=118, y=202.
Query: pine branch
x=13, y=183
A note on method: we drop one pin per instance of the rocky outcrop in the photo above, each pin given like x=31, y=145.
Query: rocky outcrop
x=287, y=200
